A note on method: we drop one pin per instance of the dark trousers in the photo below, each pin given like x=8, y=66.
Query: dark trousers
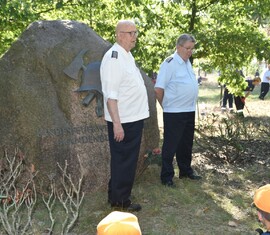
x=124, y=157
x=178, y=140
x=264, y=89
x=239, y=103
x=227, y=97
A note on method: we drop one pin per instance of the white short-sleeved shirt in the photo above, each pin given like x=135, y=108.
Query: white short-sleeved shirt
x=265, y=75
x=178, y=80
x=121, y=80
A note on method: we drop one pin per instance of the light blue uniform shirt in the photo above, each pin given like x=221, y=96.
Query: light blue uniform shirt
x=178, y=80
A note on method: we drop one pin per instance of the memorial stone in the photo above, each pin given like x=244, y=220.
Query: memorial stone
x=51, y=102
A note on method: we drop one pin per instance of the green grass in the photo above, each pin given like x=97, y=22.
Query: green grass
x=209, y=93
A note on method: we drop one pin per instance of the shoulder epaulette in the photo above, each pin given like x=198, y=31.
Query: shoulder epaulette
x=114, y=54
x=169, y=59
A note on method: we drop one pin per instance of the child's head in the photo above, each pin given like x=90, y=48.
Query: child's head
x=120, y=223
x=262, y=202
x=256, y=81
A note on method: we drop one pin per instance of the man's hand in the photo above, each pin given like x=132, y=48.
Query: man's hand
x=118, y=132
x=159, y=95
x=117, y=126
x=243, y=99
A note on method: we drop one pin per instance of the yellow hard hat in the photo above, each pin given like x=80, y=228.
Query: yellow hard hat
x=262, y=198
x=119, y=223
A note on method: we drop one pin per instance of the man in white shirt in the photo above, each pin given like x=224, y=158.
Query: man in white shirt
x=265, y=83
x=125, y=108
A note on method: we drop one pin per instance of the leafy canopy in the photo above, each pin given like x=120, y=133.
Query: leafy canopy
x=229, y=34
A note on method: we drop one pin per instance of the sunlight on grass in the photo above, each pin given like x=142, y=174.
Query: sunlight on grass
x=209, y=94
x=168, y=211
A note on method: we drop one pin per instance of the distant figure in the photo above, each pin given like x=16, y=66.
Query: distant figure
x=257, y=74
x=119, y=223
x=241, y=100
x=227, y=97
x=154, y=77
x=265, y=83
x=199, y=80
x=262, y=202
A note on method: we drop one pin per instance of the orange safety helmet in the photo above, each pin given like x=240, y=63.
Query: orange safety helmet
x=262, y=198
x=119, y=223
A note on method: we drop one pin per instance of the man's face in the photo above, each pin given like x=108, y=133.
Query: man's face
x=185, y=50
x=127, y=36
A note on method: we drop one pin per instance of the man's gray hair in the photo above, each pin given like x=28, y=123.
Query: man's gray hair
x=122, y=23
x=185, y=38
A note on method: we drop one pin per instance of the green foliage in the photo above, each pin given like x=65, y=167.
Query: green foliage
x=229, y=33
x=235, y=82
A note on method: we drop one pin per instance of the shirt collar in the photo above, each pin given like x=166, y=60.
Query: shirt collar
x=122, y=50
x=178, y=58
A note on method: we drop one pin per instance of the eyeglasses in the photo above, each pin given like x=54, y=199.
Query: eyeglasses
x=131, y=33
x=189, y=49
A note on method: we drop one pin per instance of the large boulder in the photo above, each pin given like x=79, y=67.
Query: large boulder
x=50, y=112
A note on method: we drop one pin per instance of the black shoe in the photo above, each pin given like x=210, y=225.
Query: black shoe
x=131, y=208
x=169, y=184
x=261, y=98
x=191, y=176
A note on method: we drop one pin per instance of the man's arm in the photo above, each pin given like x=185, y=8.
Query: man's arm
x=159, y=95
x=117, y=126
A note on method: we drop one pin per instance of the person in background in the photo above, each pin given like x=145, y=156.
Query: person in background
x=265, y=83
x=257, y=73
x=176, y=90
x=241, y=100
x=125, y=108
x=199, y=80
x=261, y=201
x=154, y=77
x=227, y=97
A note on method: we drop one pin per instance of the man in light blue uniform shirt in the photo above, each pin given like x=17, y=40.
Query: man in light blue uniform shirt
x=176, y=90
